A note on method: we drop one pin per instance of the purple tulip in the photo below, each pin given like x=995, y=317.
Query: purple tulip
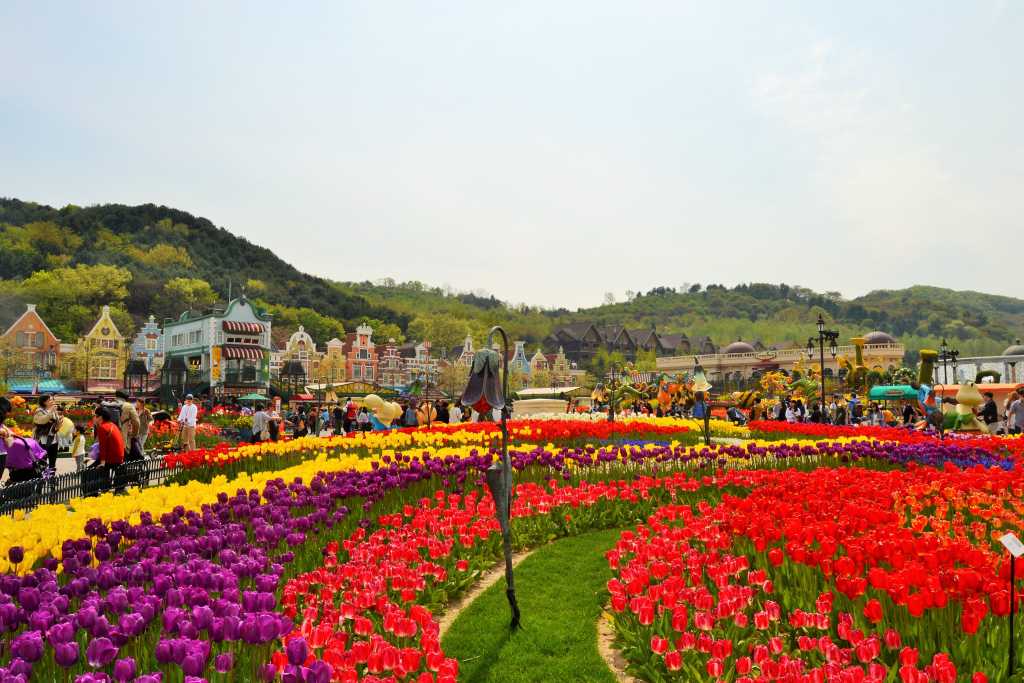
x=224, y=662
x=93, y=677
x=100, y=652
x=155, y=677
x=268, y=673
x=63, y=632
x=16, y=554
x=28, y=646
x=124, y=669
x=66, y=654
x=193, y=664
x=297, y=651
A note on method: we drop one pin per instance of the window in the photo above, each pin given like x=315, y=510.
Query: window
x=195, y=336
x=369, y=373
x=357, y=372
x=151, y=344
x=364, y=354
x=22, y=339
x=39, y=340
x=108, y=343
x=105, y=368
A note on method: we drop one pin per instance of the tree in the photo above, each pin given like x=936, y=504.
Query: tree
x=69, y=299
x=609, y=298
x=603, y=360
x=184, y=294
x=540, y=378
x=452, y=379
x=646, y=361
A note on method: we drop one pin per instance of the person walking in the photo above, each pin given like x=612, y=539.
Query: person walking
x=454, y=414
x=46, y=421
x=22, y=456
x=130, y=426
x=990, y=411
x=111, y=448
x=339, y=419
x=145, y=422
x=1015, y=415
x=78, y=446
x=187, y=422
x=351, y=410
x=260, y=429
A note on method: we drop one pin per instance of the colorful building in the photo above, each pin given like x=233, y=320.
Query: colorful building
x=390, y=366
x=31, y=354
x=518, y=362
x=301, y=349
x=102, y=354
x=361, y=355
x=419, y=364
x=148, y=346
x=220, y=353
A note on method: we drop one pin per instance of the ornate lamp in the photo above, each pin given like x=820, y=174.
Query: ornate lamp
x=485, y=391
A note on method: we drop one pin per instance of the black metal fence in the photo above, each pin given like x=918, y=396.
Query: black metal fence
x=64, y=488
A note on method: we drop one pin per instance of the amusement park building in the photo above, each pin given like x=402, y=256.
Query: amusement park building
x=739, y=361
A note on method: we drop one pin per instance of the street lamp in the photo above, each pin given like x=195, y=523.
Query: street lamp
x=611, y=394
x=484, y=391
x=947, y=354
x=823, y=335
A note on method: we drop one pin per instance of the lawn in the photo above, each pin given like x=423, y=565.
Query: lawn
x=561, y=590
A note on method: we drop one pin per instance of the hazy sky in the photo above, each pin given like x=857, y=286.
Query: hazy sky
x=547, y=152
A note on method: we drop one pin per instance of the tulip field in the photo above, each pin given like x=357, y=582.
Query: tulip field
x=779, y=552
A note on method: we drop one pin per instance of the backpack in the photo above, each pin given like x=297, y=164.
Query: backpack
x=115, y=412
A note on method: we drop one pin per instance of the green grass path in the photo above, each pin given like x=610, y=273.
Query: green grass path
x=561, y=590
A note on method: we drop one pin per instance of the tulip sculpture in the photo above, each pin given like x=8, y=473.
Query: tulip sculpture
x=702, y=409
x=486, y=391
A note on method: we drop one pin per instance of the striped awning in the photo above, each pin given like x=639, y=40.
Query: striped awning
x=242, y=352
x=245, y=328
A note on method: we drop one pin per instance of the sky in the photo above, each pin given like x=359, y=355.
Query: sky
x=546, y=152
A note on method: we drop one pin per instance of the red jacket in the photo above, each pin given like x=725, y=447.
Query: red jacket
x=111, y=443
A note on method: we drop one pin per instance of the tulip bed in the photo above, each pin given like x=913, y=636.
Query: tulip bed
x=850, y=557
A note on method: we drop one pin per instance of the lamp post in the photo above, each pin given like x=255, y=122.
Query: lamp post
x=823, y=335
x=947, y=355
x=484, y=387
x=611, y=395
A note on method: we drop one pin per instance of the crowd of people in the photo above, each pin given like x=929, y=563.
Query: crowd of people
x=119, y=427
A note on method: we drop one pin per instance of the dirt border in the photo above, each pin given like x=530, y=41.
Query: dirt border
x=486, y=580
x=613, y=658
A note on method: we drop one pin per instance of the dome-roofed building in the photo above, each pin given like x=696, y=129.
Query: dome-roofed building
x=1015, y=349
x=738, y=346
x=878, y=337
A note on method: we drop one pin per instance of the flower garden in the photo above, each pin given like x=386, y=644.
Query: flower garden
x=788, y=552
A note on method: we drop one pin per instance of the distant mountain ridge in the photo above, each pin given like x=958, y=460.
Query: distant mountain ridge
x=163, y=251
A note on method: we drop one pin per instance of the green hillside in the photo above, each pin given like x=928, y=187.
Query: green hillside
x=155, y=260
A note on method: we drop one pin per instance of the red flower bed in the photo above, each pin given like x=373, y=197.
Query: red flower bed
x=835, y=574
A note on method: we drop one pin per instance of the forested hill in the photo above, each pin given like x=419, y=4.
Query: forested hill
x=72, y=260
x=155, y=260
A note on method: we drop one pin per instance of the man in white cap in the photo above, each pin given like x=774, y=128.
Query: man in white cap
x=187, y=419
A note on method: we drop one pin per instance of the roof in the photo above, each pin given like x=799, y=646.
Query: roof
x=31, y=308
x=104, y=313
x=611, y=333
x=643, y=335
x=190, y=315
x=878, y=337
x=1014, y=349
x=46, y=386
x=672, y=341
x=547, y=391
x=738, y=346
x=575, y=330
